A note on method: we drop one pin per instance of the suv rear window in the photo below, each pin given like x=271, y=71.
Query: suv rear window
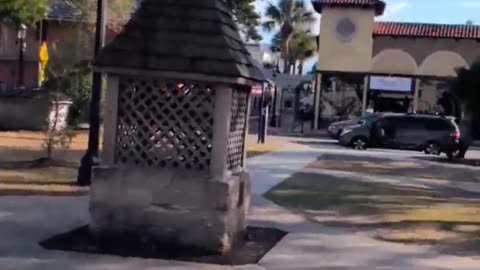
x=438, y=124
x=407, y=122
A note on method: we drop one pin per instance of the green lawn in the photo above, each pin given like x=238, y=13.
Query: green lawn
x=390, y=212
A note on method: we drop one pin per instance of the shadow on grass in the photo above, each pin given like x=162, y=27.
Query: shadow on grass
x=387, y=167
x=19, y=153
x=251, y=154
x=442, y=160
x=323, y=143
x=33, y=192
x=37, y=163
x=391, y=212
x=470, y=246
x=39, y=177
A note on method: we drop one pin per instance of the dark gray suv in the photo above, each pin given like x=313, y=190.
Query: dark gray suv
x=432, y=134
x=336, y=128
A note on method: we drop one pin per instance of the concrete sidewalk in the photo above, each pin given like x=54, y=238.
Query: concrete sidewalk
x=24, y=221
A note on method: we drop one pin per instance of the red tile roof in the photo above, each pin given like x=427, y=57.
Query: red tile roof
x=426, y=30
x=378, y=5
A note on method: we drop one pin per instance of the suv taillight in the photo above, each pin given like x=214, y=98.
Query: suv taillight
x=456, y=134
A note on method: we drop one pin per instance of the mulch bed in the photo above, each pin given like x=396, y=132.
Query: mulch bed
x=257, y=242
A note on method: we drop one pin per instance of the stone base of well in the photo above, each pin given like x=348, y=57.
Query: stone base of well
x=186, y=208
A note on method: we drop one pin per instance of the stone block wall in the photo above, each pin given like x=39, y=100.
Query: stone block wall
x=182, y=207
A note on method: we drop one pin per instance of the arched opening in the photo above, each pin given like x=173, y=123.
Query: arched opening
x=391, y=88
x=394, y=61
x=442, y=64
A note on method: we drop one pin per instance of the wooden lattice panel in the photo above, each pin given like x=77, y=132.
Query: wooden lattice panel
x=238, y=124
x=164, y=124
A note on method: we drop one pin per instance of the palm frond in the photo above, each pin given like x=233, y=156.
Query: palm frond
x=286, y=7
x=288, y=16
x=276, y=40
x=299, y=4
x=274, y=13
x=302, y=47
x=268, y=26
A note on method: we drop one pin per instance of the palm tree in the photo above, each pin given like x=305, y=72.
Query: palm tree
x=287, y=15
x=302, y=47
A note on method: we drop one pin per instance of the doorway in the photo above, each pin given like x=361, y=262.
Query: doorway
x=391, y=104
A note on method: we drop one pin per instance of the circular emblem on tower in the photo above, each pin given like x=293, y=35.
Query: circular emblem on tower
x=346, y=29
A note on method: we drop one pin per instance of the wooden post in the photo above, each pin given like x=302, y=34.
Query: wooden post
x=416, y=96
x=365, y=94
x=247, y=127
x=318, y=89
x=110, y=121
x=221, y=129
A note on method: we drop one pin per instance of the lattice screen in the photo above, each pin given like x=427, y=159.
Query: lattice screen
x=238, y=125
x=164, y=124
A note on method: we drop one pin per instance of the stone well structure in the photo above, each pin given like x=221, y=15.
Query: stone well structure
x=173, y=166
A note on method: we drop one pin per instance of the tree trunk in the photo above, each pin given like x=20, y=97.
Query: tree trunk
x=300, y=67
x=285, y=55
x=296, y=108
x=286, y=35
x=286, y=66
x=52, y=129
x=49, y=149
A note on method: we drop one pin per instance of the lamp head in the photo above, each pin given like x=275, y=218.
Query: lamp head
x=22, y=31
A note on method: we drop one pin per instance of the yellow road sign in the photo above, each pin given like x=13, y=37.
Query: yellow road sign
x=43, y=54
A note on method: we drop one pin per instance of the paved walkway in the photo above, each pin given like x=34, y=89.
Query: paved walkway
x=26, y=220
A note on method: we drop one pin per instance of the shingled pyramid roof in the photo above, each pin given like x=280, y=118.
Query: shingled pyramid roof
x=181, y=39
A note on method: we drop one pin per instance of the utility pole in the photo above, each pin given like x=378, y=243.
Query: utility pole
x=91, y=158
x=22, y=45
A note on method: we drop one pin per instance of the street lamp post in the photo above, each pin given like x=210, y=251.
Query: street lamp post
x=91, y=157
x=276, y=52
x=22, y=45
x=273, y=119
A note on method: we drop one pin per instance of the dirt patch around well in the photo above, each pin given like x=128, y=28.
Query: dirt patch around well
x=257, y=242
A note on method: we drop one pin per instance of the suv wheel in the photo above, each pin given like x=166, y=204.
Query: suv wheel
x=432, y=149
x=359, y=143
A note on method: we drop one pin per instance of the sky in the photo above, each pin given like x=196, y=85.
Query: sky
x=425, y=11
x=420, y=11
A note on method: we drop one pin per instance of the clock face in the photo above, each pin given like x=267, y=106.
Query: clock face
x=346, y=29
